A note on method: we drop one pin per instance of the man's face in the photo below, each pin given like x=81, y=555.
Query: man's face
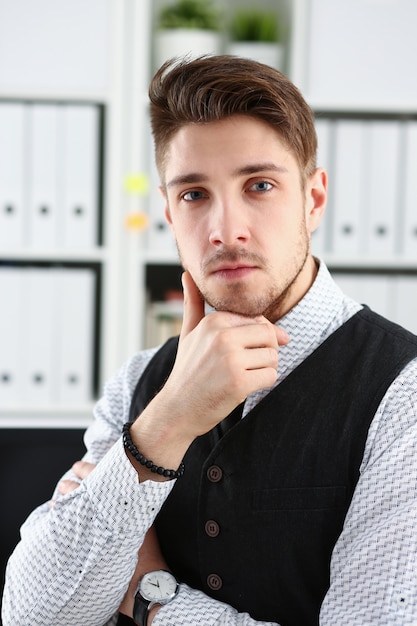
x=240, y=217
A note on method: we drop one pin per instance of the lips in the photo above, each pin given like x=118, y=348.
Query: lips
x=232, y=263
x=233, y=271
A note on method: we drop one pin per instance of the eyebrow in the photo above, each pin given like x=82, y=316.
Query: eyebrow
x=187, y=179
x=252, y=168
x=266, y=166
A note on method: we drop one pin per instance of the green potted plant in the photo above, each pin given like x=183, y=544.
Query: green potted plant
x=187, y=27
x=258, y=35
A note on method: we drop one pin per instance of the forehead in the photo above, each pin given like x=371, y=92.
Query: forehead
x=220, y=143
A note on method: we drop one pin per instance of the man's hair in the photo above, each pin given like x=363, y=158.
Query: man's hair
x=212, y=88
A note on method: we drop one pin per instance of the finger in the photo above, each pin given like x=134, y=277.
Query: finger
x=260, y=378
x=193, y=305
x=259, y=358
x=67, y=486
x=82, y=469
x=282, y=337
x=258, y=333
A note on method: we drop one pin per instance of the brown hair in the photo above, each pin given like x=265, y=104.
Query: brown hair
x=211, y=88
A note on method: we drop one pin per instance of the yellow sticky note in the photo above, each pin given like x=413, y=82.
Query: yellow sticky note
x=136, y=221
x=137, y=184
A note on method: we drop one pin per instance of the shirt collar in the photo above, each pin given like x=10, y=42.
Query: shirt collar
x=318, y=314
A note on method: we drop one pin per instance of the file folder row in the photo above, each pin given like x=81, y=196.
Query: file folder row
x=372, y=166
x=46, y=336
x=392, y=295
x=372, y=206
x=49, y=175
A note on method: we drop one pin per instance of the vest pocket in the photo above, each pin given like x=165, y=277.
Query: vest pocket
x=299, y=498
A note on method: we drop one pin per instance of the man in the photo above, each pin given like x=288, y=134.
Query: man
x=270, y=460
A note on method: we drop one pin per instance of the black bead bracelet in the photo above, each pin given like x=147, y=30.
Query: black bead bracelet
x=129, y=445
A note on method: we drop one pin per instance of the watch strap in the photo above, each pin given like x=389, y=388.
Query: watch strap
x=141, y=610
x=124, y=620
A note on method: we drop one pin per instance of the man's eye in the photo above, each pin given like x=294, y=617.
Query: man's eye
x=193, y=195
x=261, y=185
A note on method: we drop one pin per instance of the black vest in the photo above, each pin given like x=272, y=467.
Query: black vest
x=255, y=517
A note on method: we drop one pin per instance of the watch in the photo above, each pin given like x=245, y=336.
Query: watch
x=158, y=587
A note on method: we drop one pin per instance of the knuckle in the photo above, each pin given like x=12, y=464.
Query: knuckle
x=273, y=354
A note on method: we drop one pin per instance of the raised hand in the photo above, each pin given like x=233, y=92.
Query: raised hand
x=222, y=358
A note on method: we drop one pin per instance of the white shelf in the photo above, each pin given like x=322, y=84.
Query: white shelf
x=80, y=256
x=367, y=263
x=367, y=108
x=46, y=417
x=152, y=257
x=51, y=96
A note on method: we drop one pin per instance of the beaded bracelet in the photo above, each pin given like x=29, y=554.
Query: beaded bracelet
x=129, y=445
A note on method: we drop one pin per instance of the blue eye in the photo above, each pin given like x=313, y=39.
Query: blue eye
x=261, y=185
x=191, y=196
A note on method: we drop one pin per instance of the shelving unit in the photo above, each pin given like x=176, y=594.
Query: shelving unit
x=345, y=82
x=128, y=261
x=118, y=75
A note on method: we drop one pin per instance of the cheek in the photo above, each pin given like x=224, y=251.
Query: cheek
x=190, y=242
x=189, y=233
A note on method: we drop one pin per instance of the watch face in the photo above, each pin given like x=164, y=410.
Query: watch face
x=159, y=586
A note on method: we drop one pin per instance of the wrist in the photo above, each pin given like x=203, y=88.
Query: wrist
x=159, y=438
x=156, y=588
x=153, y=611
x=146, y=463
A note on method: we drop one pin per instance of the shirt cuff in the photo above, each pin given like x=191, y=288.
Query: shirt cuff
x=118, y=497
x=191, y=607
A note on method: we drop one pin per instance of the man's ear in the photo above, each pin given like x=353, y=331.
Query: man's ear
x=316, y=198
x=167, y=212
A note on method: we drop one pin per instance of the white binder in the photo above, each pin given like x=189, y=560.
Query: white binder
x=409, y=226
x=324, y=136
x=383, y=192
x=12, y=315
x=79, y=160
x=74, y=348
x=348, y=186
x=39, y=334
x=13, y=175
x=43, y=185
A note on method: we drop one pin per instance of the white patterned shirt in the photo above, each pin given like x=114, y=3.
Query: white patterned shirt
x=75, y=560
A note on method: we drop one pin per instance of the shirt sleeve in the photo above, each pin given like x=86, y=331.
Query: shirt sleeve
x=76, y=558
x=374, y=563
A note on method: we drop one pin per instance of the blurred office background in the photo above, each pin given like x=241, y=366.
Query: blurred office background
x=88, y=269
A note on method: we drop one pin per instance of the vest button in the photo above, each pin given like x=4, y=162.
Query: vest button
x=214, y=582
x=212, y=528
x=214, y=473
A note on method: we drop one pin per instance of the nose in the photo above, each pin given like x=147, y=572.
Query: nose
x=228, y=224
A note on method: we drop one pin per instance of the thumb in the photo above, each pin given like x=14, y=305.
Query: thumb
x=193, y=305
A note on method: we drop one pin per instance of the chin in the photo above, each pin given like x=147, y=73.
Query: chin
x=239, y=306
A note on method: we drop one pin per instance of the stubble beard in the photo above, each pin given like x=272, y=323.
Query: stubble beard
x=273, y=302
